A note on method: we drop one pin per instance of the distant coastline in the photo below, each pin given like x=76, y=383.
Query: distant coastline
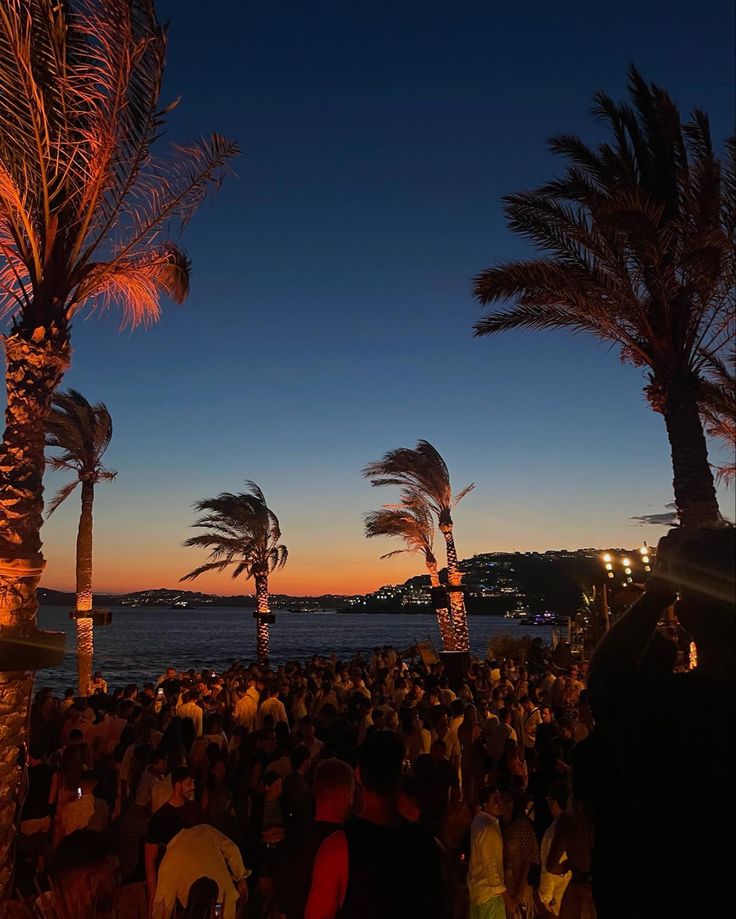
x=495, y=584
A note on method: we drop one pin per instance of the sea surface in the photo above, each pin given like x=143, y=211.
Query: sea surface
x=141, y=643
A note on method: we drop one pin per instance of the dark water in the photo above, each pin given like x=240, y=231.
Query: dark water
x=141, y=643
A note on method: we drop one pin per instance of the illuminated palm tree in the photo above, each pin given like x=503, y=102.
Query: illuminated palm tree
x=82, y=432
x=637, y=249
x=83, y=209
x=423, y=476
x=412, y=522
x=243, y=532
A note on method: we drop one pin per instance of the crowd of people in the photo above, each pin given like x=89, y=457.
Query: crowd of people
x=373, y=788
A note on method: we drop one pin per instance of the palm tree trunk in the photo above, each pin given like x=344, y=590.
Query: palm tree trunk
x=262, y=634
x=695, y=493
x=443, y=615
x=34, y=370
x=85, y=630
x=458, y=615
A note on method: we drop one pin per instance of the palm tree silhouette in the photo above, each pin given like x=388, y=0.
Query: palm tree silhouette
x=637, y=243
x=243, y=532
x=423, y=476
x=84, y=211
x=82, y=432
x=412, y=522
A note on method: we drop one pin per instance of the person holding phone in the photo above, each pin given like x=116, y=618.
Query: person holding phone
x=670, y=735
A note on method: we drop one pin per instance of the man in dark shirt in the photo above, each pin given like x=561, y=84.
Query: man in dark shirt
x=179, y=813
x=436, y=783
x=380, y=865
x=333, y=790
x=35, y=817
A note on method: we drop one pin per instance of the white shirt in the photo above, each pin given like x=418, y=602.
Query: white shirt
x=193, y=711
x=201, y=851
x=246, y=709
x=485, y=870
x=531, y=720
x=275, y=707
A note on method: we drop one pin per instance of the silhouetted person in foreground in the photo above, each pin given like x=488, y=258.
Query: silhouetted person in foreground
x=380, y=866
x=671, y=736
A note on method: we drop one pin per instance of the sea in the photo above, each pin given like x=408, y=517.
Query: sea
x=141, y=643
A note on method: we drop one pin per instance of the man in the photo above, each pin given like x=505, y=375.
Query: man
x=309, y=737
x=443, y=731
x=489, y=898
x=153, y=774
x=333, y=790
x=272, y=706
x=180, y=812
x=194, y=853
x=246, y=708
x=380, y=865
x=531, y=718
x=552, y=886
x=190, y=709
x=297, y=798
x=436, y=785
x=665, y=857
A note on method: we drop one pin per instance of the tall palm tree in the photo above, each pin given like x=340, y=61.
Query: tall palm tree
x=423, y=476
x=637, y=249
x=412, y=522
x=82, y=432
x=243, y=532
x=83, y=209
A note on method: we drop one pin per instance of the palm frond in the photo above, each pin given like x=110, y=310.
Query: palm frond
x=242, y=531
x=61, y=495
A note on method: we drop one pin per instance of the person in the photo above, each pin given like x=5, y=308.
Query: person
x=520, y=853
x=272, y=706
x=532, y=717
x=333, y=789
x=654, y=719
x=246, y=708
x=377, y=844
x=486, y=886
x=36, y=813
x=190, y=709
x=196, y=852
x=297, y=798
x=85, y=877
x=552, y=886
x=98, y=684
x=179, y=812
x=86, y=811
x=437, y=787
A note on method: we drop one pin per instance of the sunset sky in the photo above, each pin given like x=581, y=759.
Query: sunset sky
x=330, y=314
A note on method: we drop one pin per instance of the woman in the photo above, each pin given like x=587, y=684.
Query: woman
x=520, y=854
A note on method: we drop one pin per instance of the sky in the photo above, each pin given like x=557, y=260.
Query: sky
x=330, y=312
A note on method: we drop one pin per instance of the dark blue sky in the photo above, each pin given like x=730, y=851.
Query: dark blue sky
x=330, y=315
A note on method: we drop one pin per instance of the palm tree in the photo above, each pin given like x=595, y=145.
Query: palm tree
x=718, y=410
x=423, y=476
x=637, y=249
x=83, y=209
x=244, y=532
x=412, y=522
x=82, y=432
